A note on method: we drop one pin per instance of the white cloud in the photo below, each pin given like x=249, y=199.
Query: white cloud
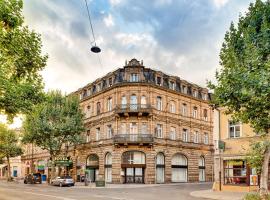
x=220, y=3
x=109, y=20
x=115, y=2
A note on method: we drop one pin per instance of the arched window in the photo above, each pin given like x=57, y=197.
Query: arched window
x=133, y=157
x=201, y=169
x=179, y=168
x=108, y=168
x=195, y=112
x=160, y=168
x=92, y=164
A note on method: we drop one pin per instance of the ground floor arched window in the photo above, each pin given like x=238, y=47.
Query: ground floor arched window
x=160, y=168
x=133, y=167
x=92, y=167
x=108, y=168
x=201, y=169
x=179, y=168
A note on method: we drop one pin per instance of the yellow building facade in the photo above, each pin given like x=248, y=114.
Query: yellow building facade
x=232, y=143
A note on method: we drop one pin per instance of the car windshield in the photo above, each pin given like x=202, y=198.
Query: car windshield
x=66, y=177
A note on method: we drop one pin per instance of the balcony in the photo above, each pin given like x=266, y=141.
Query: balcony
x=133, y=139
x=133, y=109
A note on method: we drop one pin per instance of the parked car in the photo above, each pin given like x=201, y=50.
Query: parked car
x=33, y=178
x=63, y=181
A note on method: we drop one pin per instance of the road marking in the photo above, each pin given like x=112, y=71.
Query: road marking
x=47, y=195
x=110, y=197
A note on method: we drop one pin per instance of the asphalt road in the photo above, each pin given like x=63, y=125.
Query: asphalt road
x=20, y=191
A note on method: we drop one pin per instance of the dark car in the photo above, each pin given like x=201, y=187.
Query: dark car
x=33, y=178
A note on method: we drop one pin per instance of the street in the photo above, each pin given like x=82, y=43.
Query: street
x=19, y=191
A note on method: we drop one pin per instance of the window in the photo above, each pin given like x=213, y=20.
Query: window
x=159, y=81
x=143, y=101
x=88, y=111
x=235, y=172
x=196, y=137
x=206, y=138
x=123, y=129
x=97, y=133
x=234, y=129
x=98, y=108
x=179, y=168
x=185, y=135
x=172, y=107
x=133, y=157
x=160, y=168
x=109, y=104
x=84, y=93
x=201, y=169
x=172, y=133
x=205, y=118
x=172, y=85
x=144, y=128
x=204, y=96
x=159, y=103
x=110, y=82
x=195, y=93
x=195, y=112
x=134, y=78
x=109, y=131
x=184, y=89
x=133, y=128
x=98, y=87
x=123, y=102
x=159, y=133
x=88, y=136
x=184, y=109
x=133, y=102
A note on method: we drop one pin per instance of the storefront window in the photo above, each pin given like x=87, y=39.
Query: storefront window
x=235, y=172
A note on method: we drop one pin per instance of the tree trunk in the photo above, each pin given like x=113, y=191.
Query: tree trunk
x=8, y=171
x=52, y=169
x=264, y=175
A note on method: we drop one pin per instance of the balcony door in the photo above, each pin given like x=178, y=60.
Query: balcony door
x=143, y=102
x=124, y=102
x=133, y=102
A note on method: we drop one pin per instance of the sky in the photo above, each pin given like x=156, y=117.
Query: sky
x=178, y=37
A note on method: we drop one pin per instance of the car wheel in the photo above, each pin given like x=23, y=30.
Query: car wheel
x=60, y=184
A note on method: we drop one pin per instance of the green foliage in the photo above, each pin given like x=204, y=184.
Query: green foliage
x=20, y=61
x=255, y=154
x=9, y=146
x=254, y=196
x=53, y=123
x=243, y=84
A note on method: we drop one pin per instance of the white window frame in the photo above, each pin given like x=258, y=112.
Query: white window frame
x=97, y=133
x=88, y=136
x=134, y=77
x=185, y=137
x=184, y=109
x=109, y=104
x=172, y=85
x=173, y=133
x=234, y=126
x=159, y=133
x=159, y=103
x=172, y=107
x=206, y=138
x=195, y=112
x=196, y=137
x=109, y=131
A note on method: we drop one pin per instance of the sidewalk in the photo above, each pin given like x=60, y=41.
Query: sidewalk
x=210, y=194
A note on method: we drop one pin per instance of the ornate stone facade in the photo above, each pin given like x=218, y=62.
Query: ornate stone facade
x=143, y=126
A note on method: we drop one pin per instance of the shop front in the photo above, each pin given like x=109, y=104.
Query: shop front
x=92, y=167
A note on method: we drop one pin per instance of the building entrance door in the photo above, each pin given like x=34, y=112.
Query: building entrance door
x=134, y=175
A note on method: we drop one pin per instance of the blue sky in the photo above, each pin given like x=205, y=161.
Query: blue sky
x=179, y=37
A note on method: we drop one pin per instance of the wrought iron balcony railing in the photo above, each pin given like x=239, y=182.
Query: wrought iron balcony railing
x=133, y=108
x=133, y=139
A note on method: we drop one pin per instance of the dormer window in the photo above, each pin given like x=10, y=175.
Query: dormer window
x=204, y=96
x=184, y=89
x=195, y=93
x=159, y=81
x=134, y=77
x=172, y=85
x=84, y=93
x=110, y=82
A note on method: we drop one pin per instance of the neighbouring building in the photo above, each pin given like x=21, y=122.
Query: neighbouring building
x=232, y=140
x=142, y=126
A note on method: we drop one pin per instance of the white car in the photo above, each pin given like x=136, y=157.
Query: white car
x=63, y=181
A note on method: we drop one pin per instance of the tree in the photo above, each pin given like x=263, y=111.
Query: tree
x=54, y=123
x=9, y=146
x=243, y=83
x=20, y=61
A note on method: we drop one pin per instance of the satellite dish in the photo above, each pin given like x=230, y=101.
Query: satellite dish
x=95, y=49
